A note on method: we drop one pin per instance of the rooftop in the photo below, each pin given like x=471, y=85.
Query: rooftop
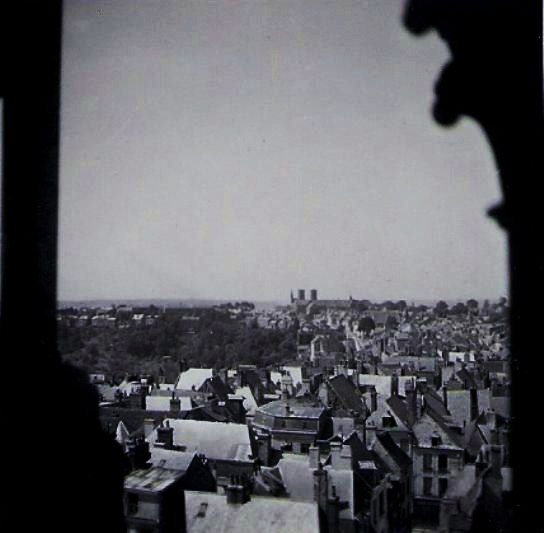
x=207, y=511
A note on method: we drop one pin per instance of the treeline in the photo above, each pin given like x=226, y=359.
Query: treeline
x=203, y=337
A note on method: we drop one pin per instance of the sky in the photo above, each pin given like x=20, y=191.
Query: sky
x=241, y=149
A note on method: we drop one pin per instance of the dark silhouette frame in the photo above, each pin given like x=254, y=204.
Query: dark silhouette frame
x=495, y=77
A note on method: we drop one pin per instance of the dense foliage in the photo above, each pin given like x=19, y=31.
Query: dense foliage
x=205, y=337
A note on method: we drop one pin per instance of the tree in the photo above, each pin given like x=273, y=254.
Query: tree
x=391, y=322
x=366, y=325
x=472, y=305
x=459, y=309
x=441, y=308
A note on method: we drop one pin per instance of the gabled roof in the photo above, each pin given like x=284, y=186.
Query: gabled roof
x=216, y=440
x=193, y=377
x=346, y=393
x=218, y=387
x=133, y=419
x=171, y=459
x=433, y=401
x=428, y=426
x=250, y=404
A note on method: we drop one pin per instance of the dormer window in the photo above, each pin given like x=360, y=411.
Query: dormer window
x=436, y=440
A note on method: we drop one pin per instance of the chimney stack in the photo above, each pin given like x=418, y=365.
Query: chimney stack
x=175, y=405
x=314, y=456
x=394, y=385
x=333, y=512
x=321, y=487
x=411, y=400
x=149, y=426
x=165, y=435
x=473, y=404
x=236, y=492
x=373, y=400
x=264, y=447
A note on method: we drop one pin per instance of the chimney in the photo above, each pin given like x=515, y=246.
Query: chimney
x=139, y=454
x=284, y=394
x=473, y=404
x=333, y=512
x=236, y=406
x=335, y=450
x=165, y=435
x=394, y=385
x=411, y=400
x=314, y=456
x=320, y=487
x=264, y=447
x=149, y=426
x=175, y=405
x=236, y=492
x=373, y=400
x=359, y=367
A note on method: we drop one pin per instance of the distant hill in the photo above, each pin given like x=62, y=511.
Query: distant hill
x=170, y=303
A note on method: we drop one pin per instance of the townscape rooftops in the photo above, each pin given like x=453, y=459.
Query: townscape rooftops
x=207, y=511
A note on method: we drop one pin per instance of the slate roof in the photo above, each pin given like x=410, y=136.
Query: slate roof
x=250, y=404
x=346, y=393
x=459, y=404
x=298, y=480
x=382, y=384
x=396, y=453
x=427, y=426
x=193, y=377
x=435, y=402
x=162, y=403
x=171, y=459
x=218, y=387
x=151, y=479
x=216, y=440
x=297, y=408
x=132, y=418
x=206, y=511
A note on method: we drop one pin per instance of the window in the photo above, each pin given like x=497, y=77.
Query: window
x=443, y=463
x=427, y=462
x=442, y=486
x=427, y=486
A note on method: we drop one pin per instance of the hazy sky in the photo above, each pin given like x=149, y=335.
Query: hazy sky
x=238, y=149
